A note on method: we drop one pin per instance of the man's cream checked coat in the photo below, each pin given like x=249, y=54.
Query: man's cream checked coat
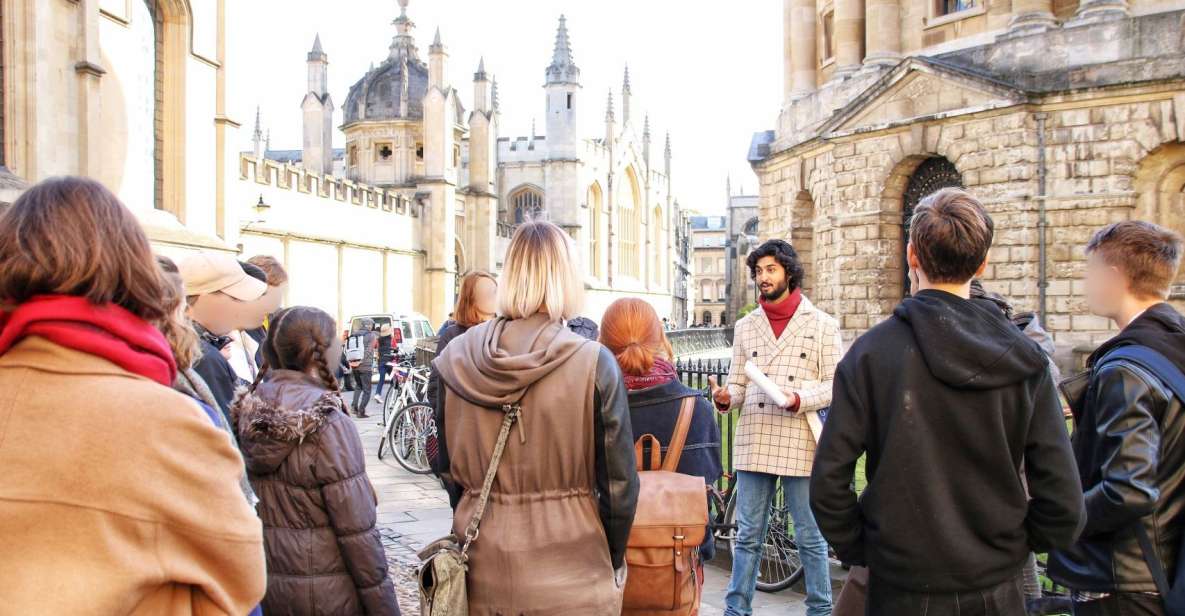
x=769, y=439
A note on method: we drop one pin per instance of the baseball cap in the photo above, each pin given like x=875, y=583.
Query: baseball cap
x=209, y=272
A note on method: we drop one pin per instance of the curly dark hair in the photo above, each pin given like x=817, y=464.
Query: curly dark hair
x=785, y=255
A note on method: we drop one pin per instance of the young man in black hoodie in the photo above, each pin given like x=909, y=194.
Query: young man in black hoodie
x=947, y=398
x=1128, y=428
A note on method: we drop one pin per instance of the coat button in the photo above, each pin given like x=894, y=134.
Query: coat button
x=791, y=379
x=754, y=353
x=803, y=356
x=760, y=405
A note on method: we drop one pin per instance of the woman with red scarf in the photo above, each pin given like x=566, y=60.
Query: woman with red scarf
x=632, y=331
x=119, y=495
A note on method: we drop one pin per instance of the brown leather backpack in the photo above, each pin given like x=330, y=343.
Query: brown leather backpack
x=670, y=525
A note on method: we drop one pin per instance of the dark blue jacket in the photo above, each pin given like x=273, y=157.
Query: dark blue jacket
x=656, y=409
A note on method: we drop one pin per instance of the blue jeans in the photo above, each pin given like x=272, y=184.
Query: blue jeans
x=755, y=492
x=384, y=369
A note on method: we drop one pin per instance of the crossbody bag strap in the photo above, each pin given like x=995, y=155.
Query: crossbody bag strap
x=510, y=416
x=679, y=438
x=1153, y=561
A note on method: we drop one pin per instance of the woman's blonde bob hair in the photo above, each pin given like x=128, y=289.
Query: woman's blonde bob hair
x=541, y=274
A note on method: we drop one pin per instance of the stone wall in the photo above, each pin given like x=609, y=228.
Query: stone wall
x=844, y=195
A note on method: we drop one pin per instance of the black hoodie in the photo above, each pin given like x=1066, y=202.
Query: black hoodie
x=947, y=397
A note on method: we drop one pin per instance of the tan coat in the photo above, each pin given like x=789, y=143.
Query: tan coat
x=542, y=547
x=117, y=496
x=768, y=438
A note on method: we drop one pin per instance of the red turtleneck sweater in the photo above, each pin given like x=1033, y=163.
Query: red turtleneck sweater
x=780, y=313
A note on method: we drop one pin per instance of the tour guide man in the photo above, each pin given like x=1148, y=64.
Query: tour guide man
x=797, y=346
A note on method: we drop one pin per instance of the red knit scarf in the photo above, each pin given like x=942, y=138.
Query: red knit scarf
x=662, y=372
x=107, y=331
x=780, y=313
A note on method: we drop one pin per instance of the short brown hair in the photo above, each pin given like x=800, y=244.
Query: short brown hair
x=71, y=236
x=951, y=233
x=1149, y=255
x=276, y=274
x=177, y=329
x=466, y=313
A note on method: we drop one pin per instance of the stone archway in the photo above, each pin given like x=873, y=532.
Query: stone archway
x=802, y=237
x=1160, y=194
x=912, y=180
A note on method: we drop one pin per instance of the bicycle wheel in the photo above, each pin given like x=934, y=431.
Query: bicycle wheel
x=390, y=401
x=413, y=438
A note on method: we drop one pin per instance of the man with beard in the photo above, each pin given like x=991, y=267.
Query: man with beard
x=797, y=346
x=947, y=398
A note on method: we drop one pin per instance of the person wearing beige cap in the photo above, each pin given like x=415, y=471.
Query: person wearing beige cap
x=220, y=296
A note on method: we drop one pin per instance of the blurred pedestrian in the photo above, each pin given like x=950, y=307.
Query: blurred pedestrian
x=568, y=468
x=361, y=347
x=476, y=303
x=305, y=458
x=107, y=508
x=1129, y=420
x=386, y=354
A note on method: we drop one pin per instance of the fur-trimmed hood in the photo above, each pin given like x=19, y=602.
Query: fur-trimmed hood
x=283, y=410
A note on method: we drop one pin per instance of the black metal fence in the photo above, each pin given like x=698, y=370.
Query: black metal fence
x=694, y=373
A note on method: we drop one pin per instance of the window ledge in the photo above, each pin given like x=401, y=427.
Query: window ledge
x=934, y=22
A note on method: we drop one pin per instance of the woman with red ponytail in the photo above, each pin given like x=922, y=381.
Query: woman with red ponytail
x=632, y=331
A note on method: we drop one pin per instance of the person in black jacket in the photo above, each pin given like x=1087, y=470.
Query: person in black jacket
x=476, y=303
x=947, y=398
x=1128, y=428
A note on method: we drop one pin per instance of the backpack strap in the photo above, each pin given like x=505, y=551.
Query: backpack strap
x=655, y=452
x=1152, y=361
x=679, y=438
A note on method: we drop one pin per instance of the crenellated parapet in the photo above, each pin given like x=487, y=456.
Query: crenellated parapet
x=289, y=176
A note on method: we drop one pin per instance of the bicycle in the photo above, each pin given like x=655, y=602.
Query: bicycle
x=780, y=567
x=397, y=395
x=409, y=427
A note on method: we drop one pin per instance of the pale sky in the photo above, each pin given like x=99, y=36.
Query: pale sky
x=709, y=72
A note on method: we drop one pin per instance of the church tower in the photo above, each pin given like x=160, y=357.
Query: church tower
x=442, y=159
x=562, y=86
x=318, y=114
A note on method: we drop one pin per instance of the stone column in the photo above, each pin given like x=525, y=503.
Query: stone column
x=884, y=32
x=1030, y=16
x=803, y=24
x=1090, y=11
x=849, y=35
x=787, y=50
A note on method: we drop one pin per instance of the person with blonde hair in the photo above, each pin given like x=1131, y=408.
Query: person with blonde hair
x=567, y=466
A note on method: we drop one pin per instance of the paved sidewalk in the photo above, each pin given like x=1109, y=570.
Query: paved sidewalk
x=413, y=510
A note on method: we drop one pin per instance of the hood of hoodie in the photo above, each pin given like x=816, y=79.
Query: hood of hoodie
x=969, y=344
x=494, y=363
x=1160, y=328
x=275, y=418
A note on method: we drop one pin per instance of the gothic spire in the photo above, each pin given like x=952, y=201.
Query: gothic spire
x=436, y=40
x=646, y=129
x=494, y=95
x=404, y=45
x=258, y=131
x=563, y=68
x=317, y=44
x=480, y=75
x=625, y=88
x=609, y=118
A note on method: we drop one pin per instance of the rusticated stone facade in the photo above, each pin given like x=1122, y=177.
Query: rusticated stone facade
x=1087, y=118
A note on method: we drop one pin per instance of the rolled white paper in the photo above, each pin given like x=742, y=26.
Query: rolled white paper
x=771, y=389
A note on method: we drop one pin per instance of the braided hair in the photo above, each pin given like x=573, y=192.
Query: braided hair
x=300, y=339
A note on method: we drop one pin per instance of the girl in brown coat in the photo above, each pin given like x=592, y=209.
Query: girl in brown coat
x=304, y=459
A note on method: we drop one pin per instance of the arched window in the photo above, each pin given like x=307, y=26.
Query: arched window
x=657, y=247
x=526, y=204
x=630, y=217
x=707, y=317
x=595, y=240
x=931, y=175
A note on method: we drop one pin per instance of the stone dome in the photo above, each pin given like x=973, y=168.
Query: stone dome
x=380, y=94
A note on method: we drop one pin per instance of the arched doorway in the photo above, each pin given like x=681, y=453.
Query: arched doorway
x=802, y=237
x=1160, y=194
x=931, y=175
x=629, y=218
x=526, y=205
x=707, y=318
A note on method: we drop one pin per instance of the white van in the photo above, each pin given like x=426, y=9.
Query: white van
x=407, y=328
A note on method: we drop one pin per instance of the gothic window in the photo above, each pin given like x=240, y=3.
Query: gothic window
x=419, y=151
x=382, y=151
x=352, y=155
x=527, y=205
x=933, y=174
x=594, y=230
x=456, y=156
x=569, y=101
x=707, y=317
x=630, y=217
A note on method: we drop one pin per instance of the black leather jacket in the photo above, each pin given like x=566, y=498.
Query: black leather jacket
x=1131, y=458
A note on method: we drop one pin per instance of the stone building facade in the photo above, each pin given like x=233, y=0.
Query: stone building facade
x=742, y=239
x=709, y=242
x=1060, y=116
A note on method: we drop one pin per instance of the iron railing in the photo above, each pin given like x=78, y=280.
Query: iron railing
x=694, y=373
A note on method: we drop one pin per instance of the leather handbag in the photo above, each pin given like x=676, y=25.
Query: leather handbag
x=444, y=563
x=669, y=526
